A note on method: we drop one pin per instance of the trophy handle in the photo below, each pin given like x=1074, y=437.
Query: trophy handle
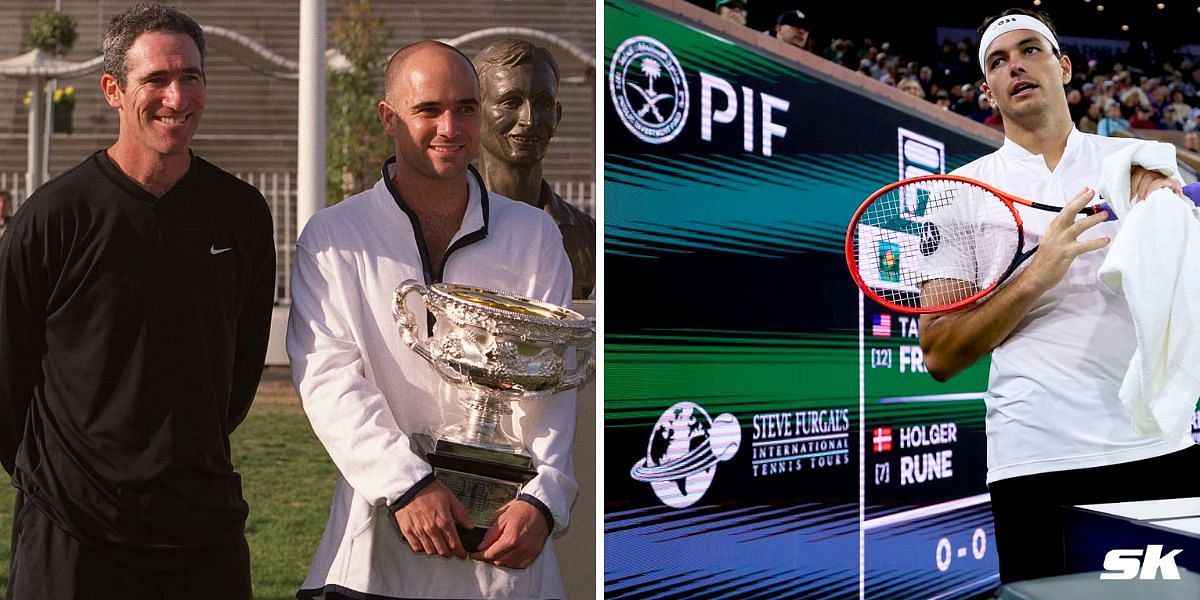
x=405, y=318
x=585, y=369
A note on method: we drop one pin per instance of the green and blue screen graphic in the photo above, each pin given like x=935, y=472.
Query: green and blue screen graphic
x=768, y=432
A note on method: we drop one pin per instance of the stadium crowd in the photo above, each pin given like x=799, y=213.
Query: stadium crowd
x=1107, y=93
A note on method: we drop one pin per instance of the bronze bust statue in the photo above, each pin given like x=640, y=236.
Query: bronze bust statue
x=518, y=84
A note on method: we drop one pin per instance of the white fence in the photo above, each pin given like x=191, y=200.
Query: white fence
x=580, y=193
x=14, y=182
x=279, y=188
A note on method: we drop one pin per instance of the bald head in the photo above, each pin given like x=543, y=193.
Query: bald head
x=425, y=50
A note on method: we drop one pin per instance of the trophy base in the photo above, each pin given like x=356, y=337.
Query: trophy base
x=482, y=479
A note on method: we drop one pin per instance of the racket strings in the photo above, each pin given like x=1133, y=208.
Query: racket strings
x=934, y=243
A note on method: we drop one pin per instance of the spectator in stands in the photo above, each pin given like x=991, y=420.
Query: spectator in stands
x=942, y=99
x=1112, y=121
x=1076, y=104
x=966, y=101
x=983, y=110
x=879, y=66
x=136, y=292
x=848, y=55
x=5, y=201
x=1191, y=141
x=733, y=11
x=1089, y=93
x=1182, y=108
x=1171, y=119
x=1144, y=118
x=1108, y=89
x=910, y=86
x=1129, y=94
x=1191, y=120
x=792, y=27
x=925, y=78
x=1090, y=121
x=518, y=88
x=1158, y=95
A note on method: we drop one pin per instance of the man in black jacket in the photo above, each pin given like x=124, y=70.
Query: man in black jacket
x=135, y=302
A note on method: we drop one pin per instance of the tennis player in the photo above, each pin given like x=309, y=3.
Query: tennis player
x=1061, y=343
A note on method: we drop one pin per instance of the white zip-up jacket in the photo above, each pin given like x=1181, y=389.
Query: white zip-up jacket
x=366, y=392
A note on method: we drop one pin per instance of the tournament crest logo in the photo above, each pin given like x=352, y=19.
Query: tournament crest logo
x=648, y=89
x=683, y=452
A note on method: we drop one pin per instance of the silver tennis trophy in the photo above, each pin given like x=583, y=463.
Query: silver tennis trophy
x=494, y=348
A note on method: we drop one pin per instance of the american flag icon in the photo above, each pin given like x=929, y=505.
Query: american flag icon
x=881, y=439
x=881, y=325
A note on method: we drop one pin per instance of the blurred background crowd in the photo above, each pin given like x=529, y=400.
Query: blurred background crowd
x=1126, y=81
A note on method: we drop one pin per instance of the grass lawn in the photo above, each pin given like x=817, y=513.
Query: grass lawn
x=287, y=479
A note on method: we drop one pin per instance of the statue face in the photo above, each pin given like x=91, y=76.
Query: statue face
x=520, y=112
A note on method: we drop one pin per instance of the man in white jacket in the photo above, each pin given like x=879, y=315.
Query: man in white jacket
x=391, y=530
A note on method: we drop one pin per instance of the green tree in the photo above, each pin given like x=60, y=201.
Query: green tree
x=53, y=32
x=356, y=144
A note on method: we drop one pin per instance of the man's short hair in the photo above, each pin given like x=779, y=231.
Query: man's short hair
x=144, y=17
x=1029, y=13
x=510, y=53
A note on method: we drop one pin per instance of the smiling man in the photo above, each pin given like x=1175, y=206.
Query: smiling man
x=518, y=83
x=1060, y=341
x=135, y=303
x=391, y=530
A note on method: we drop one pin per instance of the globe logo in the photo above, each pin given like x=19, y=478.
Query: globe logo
x=683, y=452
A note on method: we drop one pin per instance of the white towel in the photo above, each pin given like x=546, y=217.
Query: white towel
x=1151, y=262
x=1152, y=156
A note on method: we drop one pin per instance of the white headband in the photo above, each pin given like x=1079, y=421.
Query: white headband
x=1004, y=25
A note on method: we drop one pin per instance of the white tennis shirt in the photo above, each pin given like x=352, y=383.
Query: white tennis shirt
x=1052, y=400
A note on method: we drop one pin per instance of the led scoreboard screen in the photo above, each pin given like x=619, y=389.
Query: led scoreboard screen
x=768, y=431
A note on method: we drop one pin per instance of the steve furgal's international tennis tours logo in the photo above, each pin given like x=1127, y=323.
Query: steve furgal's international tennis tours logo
x=649, y=91
x=683, y=452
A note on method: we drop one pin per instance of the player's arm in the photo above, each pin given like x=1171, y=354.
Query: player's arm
x=254, y=320
x=23, y=296
x=348, y=412
x=953, y=341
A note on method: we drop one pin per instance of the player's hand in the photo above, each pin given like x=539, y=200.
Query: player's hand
x=516, y=538
x=427, y=522
x=1143, y=182
x=1060, y=244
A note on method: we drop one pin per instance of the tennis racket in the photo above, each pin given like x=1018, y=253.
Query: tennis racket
x=938, y=242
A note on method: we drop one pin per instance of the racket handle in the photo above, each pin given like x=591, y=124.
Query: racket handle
x=1105, y=208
